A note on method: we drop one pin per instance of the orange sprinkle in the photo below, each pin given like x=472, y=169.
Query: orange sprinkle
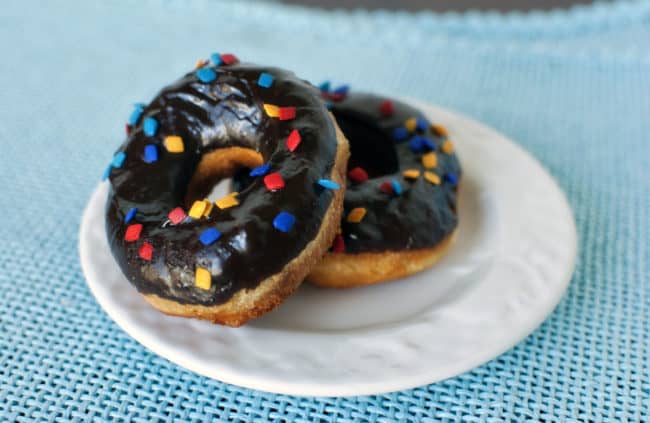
x=272, y=110
x=174, y=144
x=439, y=129
x=202, y=278
x=432, y=177
x=197, y=209
x=448, y=147
x=430, y=160
x=227, y=201
x=201, y=63
x=411, y=173
x=410, y=124
x=356, y=215
x=208, y=208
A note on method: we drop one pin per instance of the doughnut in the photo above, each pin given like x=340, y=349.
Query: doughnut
x=233, y=259
x=400, y=203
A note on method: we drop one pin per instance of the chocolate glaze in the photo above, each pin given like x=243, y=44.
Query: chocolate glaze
x=208, y=116
x=424, y=214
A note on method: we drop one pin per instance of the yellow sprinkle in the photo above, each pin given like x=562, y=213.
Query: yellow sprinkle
x=200, y=63
x=439, y=129
x=174, y=144
x=356, y=215
x=197, y=209
x=448, y=147
x=411, y=173
x=432, y=177
x=227, y=201
x=430, y=160
x=271, y=110
x=202, y=279
x=410, y=124
x=208, y=208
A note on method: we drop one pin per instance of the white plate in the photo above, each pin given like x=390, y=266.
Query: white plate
x=512, y=262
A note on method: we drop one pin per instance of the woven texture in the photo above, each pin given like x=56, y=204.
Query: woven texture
x=572, y=87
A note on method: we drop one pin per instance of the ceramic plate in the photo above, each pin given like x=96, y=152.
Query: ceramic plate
x=512, y=262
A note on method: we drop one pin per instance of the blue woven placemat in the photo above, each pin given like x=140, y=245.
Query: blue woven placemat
x=573, y=87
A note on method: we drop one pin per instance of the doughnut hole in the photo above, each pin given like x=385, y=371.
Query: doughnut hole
x=218, y=165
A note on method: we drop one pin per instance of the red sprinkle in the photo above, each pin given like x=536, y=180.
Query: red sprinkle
x=339, y=244
x=358, y=175
x=177, y=215
x=293, y=140
x=133, y=232
x=127, y=128
x=229, y=59
x=386, y=108
x=286, y=113
x=386, y=187
x=274, y=181
x=146, y=251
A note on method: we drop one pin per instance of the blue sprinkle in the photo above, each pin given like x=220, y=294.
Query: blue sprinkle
x=326, y=183
x=137, y=112
x=397, y=188
x=150, y=153
x=428, y=144
x=216, y=59
x=416, y=143
x=260, y=170
x=284, y=221
x=343, y=90
x=150, y=126
x=400, y=133
x=209, y=236
x=206, y=75
x=421, y=124
x=118, y=159
x=265, y=80
x=452, y=178
x=107, y=172
x=324, y=87
x=130, y=215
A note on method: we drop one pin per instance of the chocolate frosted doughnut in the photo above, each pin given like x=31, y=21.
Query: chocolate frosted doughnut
x=400, y=204
x=234, y=259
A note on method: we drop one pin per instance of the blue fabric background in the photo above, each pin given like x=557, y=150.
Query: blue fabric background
x=572, y=87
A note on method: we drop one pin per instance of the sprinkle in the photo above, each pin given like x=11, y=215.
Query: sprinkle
x=118, y=159
x=265, y=80
x=260, y=170
x=397, y=188
x=274, y=181
x=293, y=140
x=227, y=201
x=133, y=232
x=411, y=173
x=338, y=246
x=326, y=183
x=136, y=113
x=197, y=209
x=432, y=177
x=209, y=236
x=284, y=221
x=146, y=251
x=216, y=59
x=107, y=172
x=150, y=153
x=386, y=187
x=439, y=130
x=421, y=124
x=208, y=208
x=342, y=90
x=410, y=124
x=150, y=126
x=324, y=87
x=417, y=143
x=206, y=75
x=329, y=105
x=386, y=108
x=356, y=215
x=229, y=59
x=452, y=178
x=272, y=110
x=174, y=144
x=201, y=63
x=400, y=134
x=177, y=215
x=202, y=278
x=287, y=113
x=130, y=215
x=447, y=147
x=430, y=160
x=358, y=175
